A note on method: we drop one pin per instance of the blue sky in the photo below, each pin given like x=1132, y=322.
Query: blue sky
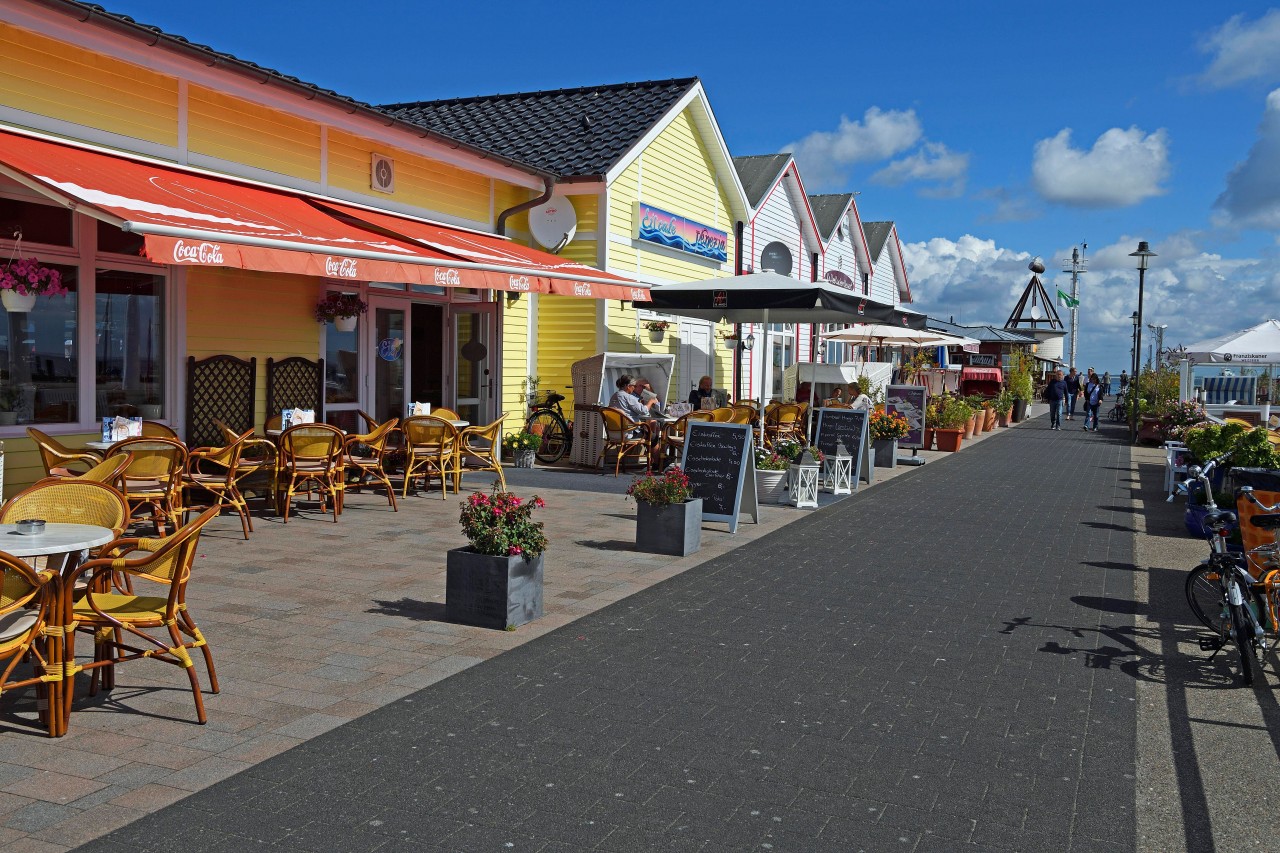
x=989, y=131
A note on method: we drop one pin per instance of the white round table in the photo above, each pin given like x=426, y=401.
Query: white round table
x=100, y=445
x=58, y=538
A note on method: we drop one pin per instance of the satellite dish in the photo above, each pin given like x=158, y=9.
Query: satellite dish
x=1036, y=265
x=1036, y=313
x=553, y=224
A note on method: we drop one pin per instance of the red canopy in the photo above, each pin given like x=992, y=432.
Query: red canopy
x=194, y=218
x=991, y=374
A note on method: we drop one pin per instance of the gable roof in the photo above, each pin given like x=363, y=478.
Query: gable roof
x=579, y=132
x=828, y=212
x=983, y=334
x=759, y=173
x=877, y=235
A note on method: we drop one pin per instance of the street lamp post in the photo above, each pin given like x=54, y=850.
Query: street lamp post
x=1144, y=252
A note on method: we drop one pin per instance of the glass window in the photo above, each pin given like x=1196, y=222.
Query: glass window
x=341, y=365
x=38, y=223
x=112, y=239
x=38, y=358
x=128, y=345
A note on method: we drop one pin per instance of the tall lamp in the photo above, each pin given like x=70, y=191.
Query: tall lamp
x=1144, y=252
x=1132, y=391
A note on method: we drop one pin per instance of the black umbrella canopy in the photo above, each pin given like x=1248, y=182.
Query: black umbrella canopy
x=766, y=297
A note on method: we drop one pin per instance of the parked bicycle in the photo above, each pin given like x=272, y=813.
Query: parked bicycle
x=1240, y=606
x=1118, y=412
x=547, y=419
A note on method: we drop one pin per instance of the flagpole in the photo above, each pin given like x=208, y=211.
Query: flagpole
x=1078, y=267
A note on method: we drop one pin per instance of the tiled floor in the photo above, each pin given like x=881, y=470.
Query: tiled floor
x=313, y=624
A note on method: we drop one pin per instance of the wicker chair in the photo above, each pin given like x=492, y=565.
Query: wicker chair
x=783, y=422
x=57, y=457
x=446, y=414
x=624, y=436
x=722, y=415
x=117, y=619
x=153, y=479
x=212, y=470
x=109, y=471
x=257, y=458
x=155, y=429
x=368, y=464
x=311, y=454
x=674, y=435
x=70, y=501
x=479, y=449
x=430, y=445
x=28, y=604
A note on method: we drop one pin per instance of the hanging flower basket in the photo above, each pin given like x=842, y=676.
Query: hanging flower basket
x=730, y=343
x=345, y=324
x=341, y=309
x=21, y=281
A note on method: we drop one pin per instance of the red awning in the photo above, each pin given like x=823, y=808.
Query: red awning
x=991, y=374
x=197, y=219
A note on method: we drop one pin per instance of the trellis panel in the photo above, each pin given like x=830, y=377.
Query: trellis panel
x=221, y=387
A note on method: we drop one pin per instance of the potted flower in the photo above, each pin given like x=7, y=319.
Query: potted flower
x=341, y=309
x=953, y=414
x=976, y=419
x=1021, y=367
x=931, y=419
x=730, y=340
x=521, y=447
x=668, y=516
x=885, y=429
x=657, y=329
x=1003, y=406
x=496, y=581
x=771, y=476
x=21, y=281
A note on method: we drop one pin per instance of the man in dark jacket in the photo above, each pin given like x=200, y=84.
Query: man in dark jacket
x=1054, y=394
x=1073, y=392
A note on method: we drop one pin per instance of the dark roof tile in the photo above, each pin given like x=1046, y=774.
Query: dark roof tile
x=877, y=233
x=828, y=211
x=579, y=132
x=758, y=173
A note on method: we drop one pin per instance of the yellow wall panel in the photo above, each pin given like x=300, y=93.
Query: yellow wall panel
x=232, y=129
x=566, y=333
x=58, y=80
x=281, y=323
x=420, y=181
x=582, y=251
x=515, y=362
x=22, y=465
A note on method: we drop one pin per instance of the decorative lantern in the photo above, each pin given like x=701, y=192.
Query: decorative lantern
x=802, y=480
x=837, y=471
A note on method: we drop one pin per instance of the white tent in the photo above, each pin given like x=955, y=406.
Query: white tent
x=1257, y=345
x=883, y=335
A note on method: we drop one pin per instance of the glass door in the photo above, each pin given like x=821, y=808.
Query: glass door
x=474, y=361
x=388, y=348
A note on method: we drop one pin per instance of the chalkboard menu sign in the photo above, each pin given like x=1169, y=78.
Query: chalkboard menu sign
x=850, y=427
x=721, y=468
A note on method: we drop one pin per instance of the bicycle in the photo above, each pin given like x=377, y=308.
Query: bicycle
x=1224, y=594
x=1119, y=413
x=547, y=419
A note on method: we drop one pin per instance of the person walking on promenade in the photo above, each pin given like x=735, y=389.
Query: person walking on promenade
x=1054, y=394
x=1073, y=392
x=1092, y=400
x=1106, y=384
x=1124, y=382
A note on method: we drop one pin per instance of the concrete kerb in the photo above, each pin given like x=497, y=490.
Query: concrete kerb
x=314, y=624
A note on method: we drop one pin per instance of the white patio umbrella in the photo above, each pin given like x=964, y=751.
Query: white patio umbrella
x=884, y=335
x=1257, y=345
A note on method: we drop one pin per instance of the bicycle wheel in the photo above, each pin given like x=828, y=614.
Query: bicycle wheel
x=1242, y=628
x=1204, y=596
x=555, y=436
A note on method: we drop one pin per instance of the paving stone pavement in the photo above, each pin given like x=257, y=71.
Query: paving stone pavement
x=926, y=666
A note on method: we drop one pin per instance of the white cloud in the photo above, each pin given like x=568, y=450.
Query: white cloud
x=1124, y=167
x=933, y=162
x=1197, y=292
x=824, y=156
x=1252, y=196
x=1243, y=50
x=1011, y=206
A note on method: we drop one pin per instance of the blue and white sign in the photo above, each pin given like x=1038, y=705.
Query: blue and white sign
x=676, y=232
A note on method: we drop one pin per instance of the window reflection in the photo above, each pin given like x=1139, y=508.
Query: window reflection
x=341, y=366
x=38, y=358
x=129, y=344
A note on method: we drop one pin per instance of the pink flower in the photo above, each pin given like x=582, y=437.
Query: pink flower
x=514, y=550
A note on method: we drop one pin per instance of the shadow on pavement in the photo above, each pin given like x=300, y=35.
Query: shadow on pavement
x=409, y=608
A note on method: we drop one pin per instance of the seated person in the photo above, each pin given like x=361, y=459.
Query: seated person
x=701, y=393
x=858, y=400
x=626, y=400
x=804, y=393
x=644, y=391
x=837, y=396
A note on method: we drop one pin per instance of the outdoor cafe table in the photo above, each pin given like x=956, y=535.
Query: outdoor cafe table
x=69, y=541
x=275, y=433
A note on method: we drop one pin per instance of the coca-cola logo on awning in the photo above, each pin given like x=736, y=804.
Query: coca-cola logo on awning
x=447, y=278
x=581, y=289
x=197, y=253
x=340, y=267
x=518, y=283
x=639, y=294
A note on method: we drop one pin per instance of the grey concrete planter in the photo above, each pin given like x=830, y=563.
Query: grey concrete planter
x=886, y=452
x=674, y=529
x=492, y=592
x=524, y=458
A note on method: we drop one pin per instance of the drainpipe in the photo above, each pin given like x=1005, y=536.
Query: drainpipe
x=549, y=186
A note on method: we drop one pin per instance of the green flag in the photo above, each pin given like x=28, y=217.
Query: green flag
x=1066, y=301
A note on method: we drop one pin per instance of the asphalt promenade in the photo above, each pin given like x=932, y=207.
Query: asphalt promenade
x=924, y=666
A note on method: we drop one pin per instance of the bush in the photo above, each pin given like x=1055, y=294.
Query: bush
x=517, y=442
x=502, y=525
x=670, y=487
x=885, y=426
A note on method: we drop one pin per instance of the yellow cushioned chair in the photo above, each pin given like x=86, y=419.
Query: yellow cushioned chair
x=430, y=449
x=28, y=602
x=57, y=458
